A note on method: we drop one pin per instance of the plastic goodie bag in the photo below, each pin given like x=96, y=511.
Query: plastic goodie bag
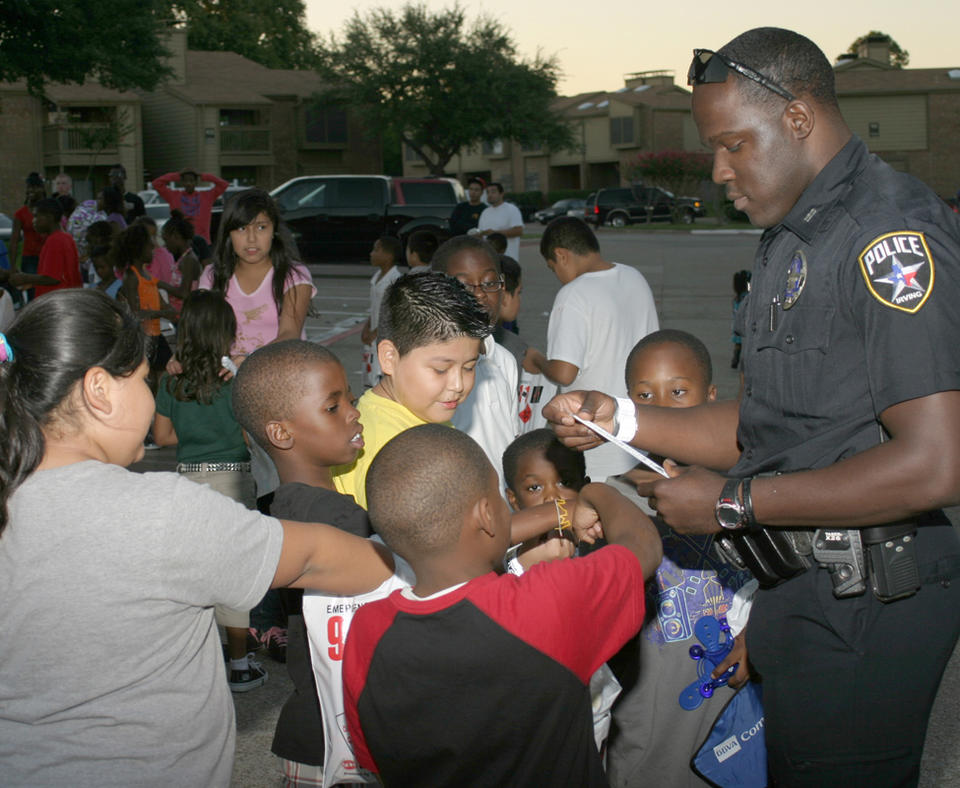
x=735, y=754
x=328, y=619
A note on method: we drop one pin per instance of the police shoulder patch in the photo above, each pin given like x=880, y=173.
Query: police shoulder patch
x=898, y=269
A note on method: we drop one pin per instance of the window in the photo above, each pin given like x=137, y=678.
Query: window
x=325, y=124
x=363, y=193
x=494, y=148
x=621, y=131
x=239, y=117
x=91, y=114
x=428, y=193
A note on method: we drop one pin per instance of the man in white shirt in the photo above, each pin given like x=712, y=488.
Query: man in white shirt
x=600, y=313
x=502, y=217
x=489, y=413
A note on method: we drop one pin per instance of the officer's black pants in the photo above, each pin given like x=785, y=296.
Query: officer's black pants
x=848, y=684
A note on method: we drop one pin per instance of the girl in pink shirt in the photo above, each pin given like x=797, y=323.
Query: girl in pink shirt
x=177, y=234
x=255, y=270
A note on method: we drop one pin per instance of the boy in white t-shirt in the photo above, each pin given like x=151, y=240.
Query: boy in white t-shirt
x=600, y=313
x=384, y=255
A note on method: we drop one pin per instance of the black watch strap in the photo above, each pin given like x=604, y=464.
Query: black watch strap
x=751, y=520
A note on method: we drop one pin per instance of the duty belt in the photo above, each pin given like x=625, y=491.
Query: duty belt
x=884, y=555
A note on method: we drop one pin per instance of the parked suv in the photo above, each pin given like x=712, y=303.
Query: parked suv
x=338, y=217
x=623, y=206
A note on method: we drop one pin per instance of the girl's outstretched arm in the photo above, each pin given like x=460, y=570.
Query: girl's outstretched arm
x=320, y=556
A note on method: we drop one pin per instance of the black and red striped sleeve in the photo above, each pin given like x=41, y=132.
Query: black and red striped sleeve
x=368, y=626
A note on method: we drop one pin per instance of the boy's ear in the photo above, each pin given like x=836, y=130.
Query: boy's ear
x=278, y=435
x=512, y=500
x=562, y=256
x=482, y=517
x=388, y=355
x=712, y=392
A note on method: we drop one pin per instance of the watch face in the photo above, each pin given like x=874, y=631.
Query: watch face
x=728, y=510
x=729, y=515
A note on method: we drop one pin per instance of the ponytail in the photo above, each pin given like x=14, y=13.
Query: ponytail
x=54, y=341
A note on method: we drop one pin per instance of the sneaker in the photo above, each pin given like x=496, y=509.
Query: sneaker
x=275, y=639
x=251, y=678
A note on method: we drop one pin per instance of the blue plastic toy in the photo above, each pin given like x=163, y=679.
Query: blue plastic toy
x=717, y=642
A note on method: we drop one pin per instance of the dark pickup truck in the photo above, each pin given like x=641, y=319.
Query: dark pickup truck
x=338, y=217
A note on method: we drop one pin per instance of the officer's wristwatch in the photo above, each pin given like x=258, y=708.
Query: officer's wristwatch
x=730, y=513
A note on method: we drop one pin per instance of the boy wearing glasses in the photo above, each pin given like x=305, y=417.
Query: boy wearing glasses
x=600, y=313
x=489, y=414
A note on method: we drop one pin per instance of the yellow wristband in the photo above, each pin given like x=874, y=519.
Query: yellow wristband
x=563, y=516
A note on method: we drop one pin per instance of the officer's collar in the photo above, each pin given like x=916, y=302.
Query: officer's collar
x=829, y=185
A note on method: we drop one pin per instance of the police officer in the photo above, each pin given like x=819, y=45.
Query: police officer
x=848, y=419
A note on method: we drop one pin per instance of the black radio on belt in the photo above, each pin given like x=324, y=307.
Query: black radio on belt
x=892, y=557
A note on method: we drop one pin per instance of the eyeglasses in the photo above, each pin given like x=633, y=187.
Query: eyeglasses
x=708, y=67
x=487, y=287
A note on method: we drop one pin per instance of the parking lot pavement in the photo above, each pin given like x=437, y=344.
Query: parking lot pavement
x=691, y=278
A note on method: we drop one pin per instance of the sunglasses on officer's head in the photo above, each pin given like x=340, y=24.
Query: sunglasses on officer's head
x=709, y=66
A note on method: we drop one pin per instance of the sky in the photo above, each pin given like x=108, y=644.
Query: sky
x=597, y=43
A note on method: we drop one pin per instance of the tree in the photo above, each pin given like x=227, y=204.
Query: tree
x=677, y=171
x=103, y=137
x=120, y=42
x=276, y=37
x=899, y=58
x=440, y=85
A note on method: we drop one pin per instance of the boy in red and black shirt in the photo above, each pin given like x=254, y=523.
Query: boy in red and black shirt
x=474, y=678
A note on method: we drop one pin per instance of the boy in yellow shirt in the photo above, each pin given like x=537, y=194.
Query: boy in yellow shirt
x=431, y=331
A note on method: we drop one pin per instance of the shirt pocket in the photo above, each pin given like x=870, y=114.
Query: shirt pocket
x=791, y=363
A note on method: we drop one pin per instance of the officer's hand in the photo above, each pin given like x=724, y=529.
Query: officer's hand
x=737, y=656
x=686, y=501
x=645, y=480
x=591, y=405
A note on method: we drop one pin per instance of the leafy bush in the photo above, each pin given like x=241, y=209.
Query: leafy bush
x=677, y=171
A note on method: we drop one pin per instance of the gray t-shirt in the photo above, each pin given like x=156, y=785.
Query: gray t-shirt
x=111, y=671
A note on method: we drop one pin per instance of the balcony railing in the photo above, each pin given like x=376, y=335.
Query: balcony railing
x=80, y=138
x=244, y=139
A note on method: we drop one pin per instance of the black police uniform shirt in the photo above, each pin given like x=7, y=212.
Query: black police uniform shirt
x=854, y=307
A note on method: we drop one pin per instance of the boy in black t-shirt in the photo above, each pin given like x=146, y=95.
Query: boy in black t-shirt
x=294, y=400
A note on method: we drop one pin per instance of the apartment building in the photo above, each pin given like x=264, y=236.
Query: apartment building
x=226, y=114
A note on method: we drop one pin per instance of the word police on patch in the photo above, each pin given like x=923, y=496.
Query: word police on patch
x=898, y=269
